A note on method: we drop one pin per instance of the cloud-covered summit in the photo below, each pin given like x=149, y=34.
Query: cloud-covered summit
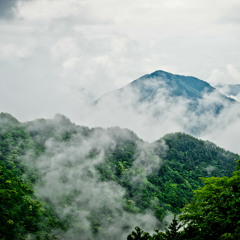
x=57, y=56
x=188, y=87
x=186, y=103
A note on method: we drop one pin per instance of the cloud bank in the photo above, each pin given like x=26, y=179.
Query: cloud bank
x=58, y=56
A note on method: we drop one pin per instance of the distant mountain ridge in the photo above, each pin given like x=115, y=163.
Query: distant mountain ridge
x=188, y=87
x=170, y=102
x=179, y=85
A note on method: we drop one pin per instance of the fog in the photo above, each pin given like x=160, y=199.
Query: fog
x=70, y=182
x=163, y=114
x=68, y=57
x=60, y=56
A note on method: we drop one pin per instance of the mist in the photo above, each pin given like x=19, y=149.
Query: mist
x=61, y=56
x=72, y=185
x=68, y=57
x=164, y=114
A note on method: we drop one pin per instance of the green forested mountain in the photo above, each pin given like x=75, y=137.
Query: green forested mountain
x=23, y=215
x=60, y=180
x=181, y=161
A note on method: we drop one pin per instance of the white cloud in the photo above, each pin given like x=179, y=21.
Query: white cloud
x=226, y=75
x=65, y=47
x=68, y=173
x=225, y=131
x=233, y=72
x=50, y=9
x=12, y=51
x=56, y=55
x=216, y=77
x=175, y=3
x=71, y=63
x=17, y=42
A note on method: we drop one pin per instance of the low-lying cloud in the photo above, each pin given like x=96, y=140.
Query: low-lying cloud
x=70, y=182
x=210, y=117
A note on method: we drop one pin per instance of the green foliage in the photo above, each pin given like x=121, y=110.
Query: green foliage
x=170, y=187
x=172, y=230
x=22, y=214
x=138, y=234
x=166, y=187
x=14, y=143
x=214, y=211
x=171, y=233
x=120, y=159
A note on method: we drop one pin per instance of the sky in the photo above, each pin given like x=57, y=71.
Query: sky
x=58, y=56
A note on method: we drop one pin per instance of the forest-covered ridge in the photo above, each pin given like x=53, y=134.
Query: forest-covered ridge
x=57, y=168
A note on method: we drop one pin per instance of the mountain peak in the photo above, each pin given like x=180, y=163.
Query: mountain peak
x=165, y=74
x=159, y=73
x=177, y=85
x=148, y=87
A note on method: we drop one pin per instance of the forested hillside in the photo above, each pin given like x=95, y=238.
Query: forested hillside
x=23, y=214
x=63, y=181
x=213, y=213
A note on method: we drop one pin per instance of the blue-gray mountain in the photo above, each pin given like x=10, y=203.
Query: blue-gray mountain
x=149, y=86
x=178, y=85
x=184, y=100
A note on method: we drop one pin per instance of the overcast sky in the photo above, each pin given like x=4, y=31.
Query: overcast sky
x=58, y=55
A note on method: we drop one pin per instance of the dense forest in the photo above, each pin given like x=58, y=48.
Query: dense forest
x=213, y=213
x=63, y=181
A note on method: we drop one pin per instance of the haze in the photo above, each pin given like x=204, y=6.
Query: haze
x=58, y=56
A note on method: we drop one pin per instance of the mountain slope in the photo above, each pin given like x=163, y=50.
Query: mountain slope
x=22, y=214
x=103, y=182
x=148, y=86
x=178, y=85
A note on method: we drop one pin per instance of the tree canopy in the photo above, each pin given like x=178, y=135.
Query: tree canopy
x=213, y=213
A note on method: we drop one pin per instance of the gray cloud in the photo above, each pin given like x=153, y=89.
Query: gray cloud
x=6, y=8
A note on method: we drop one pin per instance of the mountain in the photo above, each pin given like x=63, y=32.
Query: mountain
x=71, y=181
x=185, y=86
x=148, y=87
x=23, y=215
x=171, y=102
